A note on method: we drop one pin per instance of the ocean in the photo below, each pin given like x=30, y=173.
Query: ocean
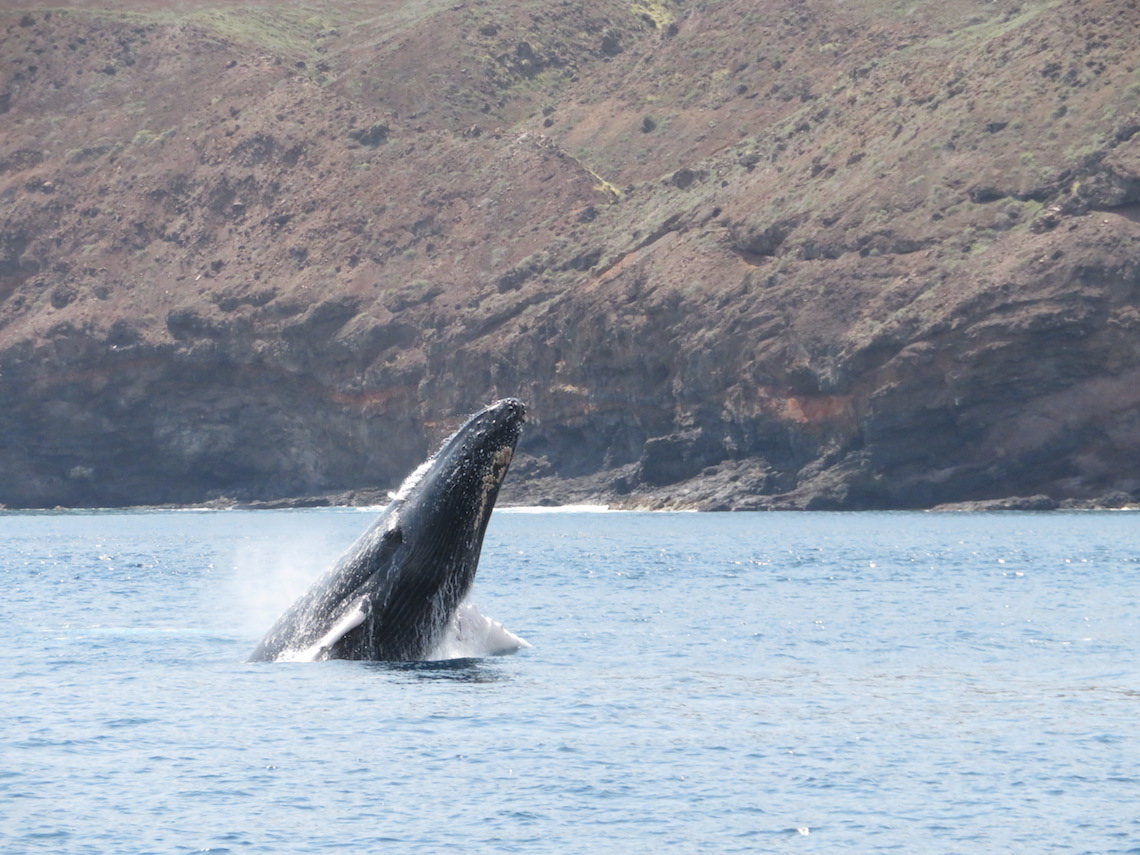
x=781, y=682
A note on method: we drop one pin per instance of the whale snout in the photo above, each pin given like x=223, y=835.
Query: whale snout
x=512, y=409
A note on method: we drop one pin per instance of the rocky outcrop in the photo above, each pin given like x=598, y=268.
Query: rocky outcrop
x=832, y=259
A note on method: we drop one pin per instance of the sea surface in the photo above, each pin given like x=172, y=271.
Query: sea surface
x=782, y=682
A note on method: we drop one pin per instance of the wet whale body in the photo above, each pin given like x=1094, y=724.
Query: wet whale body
x=397, y=594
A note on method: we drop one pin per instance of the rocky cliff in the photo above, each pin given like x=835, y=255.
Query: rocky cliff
x=733, y=254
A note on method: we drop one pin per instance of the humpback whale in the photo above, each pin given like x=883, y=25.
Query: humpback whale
x=397, y=592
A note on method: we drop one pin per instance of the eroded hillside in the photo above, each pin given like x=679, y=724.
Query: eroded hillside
x=732, y=254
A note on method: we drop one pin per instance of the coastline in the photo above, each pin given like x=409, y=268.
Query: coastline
x=376, y=500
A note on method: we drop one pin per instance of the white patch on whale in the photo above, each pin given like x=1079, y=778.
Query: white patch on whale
x=353, y=617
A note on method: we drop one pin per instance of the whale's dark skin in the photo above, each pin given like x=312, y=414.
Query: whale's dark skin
x=391, y=596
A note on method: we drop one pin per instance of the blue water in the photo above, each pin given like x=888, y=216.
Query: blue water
x=915, y=683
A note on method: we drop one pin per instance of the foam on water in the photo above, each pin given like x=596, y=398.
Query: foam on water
x=558, y=509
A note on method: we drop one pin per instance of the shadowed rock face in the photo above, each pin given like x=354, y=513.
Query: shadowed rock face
x=756, y=255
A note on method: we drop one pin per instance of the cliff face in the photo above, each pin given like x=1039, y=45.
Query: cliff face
x=732, y=254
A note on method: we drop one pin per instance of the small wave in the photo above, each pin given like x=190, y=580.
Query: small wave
x=558, y=509
x=469, y=670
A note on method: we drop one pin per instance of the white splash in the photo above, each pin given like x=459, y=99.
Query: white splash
x=412, y=480
x=471, y=635
x=268, y=574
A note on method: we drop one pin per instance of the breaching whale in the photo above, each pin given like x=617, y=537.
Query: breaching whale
x=396, y=594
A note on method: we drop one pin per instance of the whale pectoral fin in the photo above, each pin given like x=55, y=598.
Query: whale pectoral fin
x=353, y=616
